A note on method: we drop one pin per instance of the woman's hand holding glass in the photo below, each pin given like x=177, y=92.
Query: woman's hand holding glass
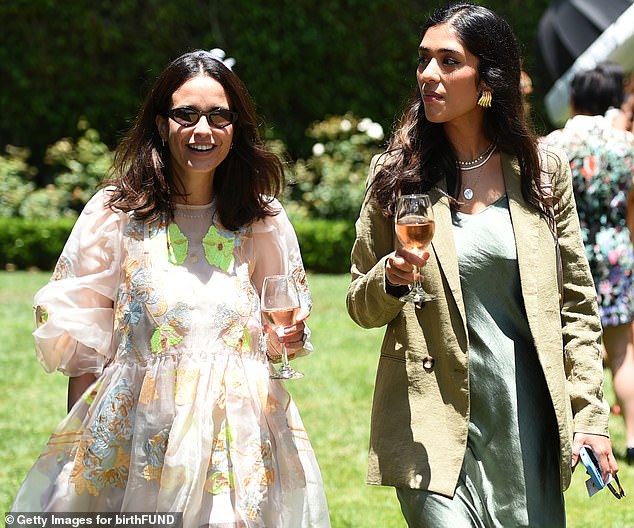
x=283, y=318
x=292, y=337
x=414, y=225
x=404, y=268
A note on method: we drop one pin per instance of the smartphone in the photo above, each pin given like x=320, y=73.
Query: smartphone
x=592, y=468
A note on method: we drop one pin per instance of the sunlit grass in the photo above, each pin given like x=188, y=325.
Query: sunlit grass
x=334, y=399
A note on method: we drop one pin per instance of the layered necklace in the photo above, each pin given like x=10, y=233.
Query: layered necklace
x=476, y=163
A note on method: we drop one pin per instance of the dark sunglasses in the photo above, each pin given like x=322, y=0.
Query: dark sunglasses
x=620, y=493
x=218, y=117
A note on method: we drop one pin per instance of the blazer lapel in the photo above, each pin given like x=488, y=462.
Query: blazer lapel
x=444, y=246
x=526, y=228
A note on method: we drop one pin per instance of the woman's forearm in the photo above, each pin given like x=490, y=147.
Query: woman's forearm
x=77, y=386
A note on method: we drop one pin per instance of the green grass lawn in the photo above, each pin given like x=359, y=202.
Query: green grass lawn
x=334, y=399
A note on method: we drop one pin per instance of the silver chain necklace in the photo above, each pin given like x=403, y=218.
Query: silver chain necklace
x=481, y=160
x=467, y=192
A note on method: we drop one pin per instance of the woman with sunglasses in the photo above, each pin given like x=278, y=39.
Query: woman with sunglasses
x=485, y=394
x=154, y=313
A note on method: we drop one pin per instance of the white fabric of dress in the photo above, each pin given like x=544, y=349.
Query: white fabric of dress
x=183, y=416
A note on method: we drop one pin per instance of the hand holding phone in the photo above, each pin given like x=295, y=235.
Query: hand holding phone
x=595, y=483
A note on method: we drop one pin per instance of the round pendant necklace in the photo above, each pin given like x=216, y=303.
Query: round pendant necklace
x=467, y=192
x=476, y=163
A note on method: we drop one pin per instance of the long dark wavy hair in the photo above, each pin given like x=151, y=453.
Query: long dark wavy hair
x=243, y=183
x=419, y=154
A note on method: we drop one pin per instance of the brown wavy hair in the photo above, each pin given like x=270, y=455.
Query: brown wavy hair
x=419, y=154
x=244, y=183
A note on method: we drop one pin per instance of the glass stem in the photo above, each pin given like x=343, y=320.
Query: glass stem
x=416, y=285
x=284, y=357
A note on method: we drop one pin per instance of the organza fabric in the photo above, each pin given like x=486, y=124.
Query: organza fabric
x=183, y=416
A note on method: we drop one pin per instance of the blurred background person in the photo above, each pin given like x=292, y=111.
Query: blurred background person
x=602, y=163
x=615, y=113
x=526, y=87
x=627, y=106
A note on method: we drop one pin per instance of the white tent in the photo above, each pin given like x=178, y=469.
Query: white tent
x=615, y=44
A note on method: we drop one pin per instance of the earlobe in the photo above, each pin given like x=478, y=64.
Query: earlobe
x=161, y=125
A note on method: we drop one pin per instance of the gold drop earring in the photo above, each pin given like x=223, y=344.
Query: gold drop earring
x=485, y=99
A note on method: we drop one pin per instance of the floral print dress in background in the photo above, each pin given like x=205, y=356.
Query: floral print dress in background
x=183, y=416
x=602, y=164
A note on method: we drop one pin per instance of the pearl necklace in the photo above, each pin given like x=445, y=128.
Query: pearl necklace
x=192, y=216
x=195, y=212
x=480, y=161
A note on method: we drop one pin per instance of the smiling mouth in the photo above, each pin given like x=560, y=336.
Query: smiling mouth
x=201, y=148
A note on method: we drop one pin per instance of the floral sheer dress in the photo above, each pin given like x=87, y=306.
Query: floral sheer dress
x=183, y=416
x=602, y=164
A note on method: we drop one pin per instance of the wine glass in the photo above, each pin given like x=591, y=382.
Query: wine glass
x=414, y=223
x=280, y=307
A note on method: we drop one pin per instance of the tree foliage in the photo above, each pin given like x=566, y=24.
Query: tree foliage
x=302, y=60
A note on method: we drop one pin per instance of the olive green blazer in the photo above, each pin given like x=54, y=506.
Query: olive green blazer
x=420, y=410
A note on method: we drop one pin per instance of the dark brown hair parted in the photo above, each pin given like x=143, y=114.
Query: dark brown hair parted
x=244, y=183
x=419, y=154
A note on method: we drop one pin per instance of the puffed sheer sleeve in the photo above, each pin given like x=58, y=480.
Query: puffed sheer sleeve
x=276, y=252
x=74, y=314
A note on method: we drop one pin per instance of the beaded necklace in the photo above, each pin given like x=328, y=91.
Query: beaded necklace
x=479, y=161
x=476, y=163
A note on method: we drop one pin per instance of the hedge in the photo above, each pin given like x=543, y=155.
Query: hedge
x=325, y=244
x=301, y=59
x=27, y=243
x=24, y=244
